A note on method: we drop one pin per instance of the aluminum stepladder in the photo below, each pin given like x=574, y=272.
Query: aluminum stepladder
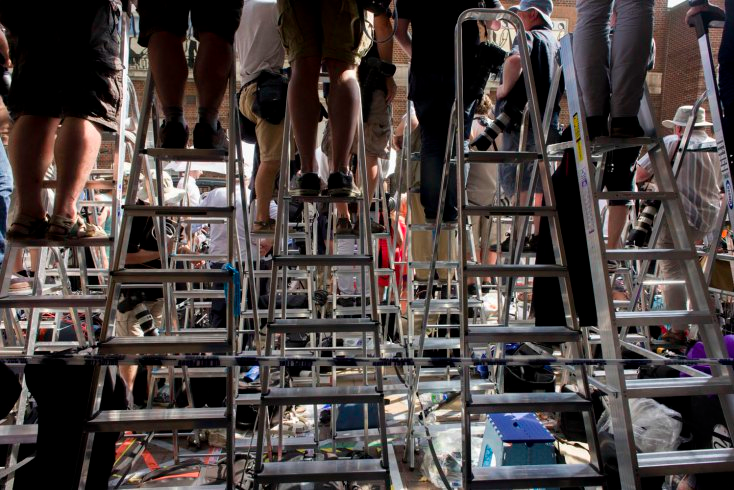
x=330, y=470
x=633, y=466
x=45, y=298
x=482, y=335
x=173, y=340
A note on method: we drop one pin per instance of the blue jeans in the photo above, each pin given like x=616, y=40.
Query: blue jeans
x=6, y=187
x=508, y=171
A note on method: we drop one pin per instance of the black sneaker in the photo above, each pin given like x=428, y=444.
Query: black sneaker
x=625, y=127
x=505, y=245
x=307, y=184
x=173, y=134
x=343, y=227
x=531, y=244
x=205, y=138
x=342, y=185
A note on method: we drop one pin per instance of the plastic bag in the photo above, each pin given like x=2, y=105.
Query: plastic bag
x=656, y=427
x=448, y=449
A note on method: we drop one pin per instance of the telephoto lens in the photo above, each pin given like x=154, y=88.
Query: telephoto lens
x=495, y=128
x=640, y=234
x=145, y=319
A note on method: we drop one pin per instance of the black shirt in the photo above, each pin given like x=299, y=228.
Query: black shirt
x=141, y=238
x=433, y=23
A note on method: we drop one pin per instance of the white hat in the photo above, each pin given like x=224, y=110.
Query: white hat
x=171, y=195
x=683, y=114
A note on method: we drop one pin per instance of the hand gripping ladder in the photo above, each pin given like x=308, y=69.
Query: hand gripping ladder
x=369, y=323
x=173, y=340
x=633, y=466
x=524, y=476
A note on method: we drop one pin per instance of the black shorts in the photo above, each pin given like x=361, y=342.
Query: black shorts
x=66, y=60
x=221, y=17
x=619, y=172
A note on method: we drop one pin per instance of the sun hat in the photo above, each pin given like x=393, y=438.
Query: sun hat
x=543, y=7
x=171, y=195
x=683, y=114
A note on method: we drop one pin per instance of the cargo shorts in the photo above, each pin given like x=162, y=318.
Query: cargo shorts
x=329, y=29
x=269, y=136
x=127, y=325
x=221, y=17
x=66, y=60
x=377, y=130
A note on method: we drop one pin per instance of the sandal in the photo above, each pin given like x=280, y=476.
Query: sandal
x=29, y=227
x=263, y=226
x=73, y=228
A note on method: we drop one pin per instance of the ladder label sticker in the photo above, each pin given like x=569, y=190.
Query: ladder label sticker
x=729, y=196
x=577, y=136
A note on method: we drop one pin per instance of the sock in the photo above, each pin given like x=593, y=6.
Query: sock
x=174, y=114
x=209, y=116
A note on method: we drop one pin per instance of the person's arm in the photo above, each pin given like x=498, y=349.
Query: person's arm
x=5, y=49
x=511, y=72
x=403, y=37
x=383, y=31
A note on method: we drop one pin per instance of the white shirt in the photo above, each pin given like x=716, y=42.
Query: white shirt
x=699, y=181
x=257, y=40
x=192, y=190
x=218, y=231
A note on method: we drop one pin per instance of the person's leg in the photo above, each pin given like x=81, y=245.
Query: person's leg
x=76, y=150
x=168, y=64
x=304, y=107
x=344, y=103
x=673, y=294
x=630, y=51
x=31, y=151
x=617, y=220
x=211, y=72
x=590, y=54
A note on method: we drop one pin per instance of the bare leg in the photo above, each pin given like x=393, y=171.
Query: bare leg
x=128, y=373
x=168, y=62
x=212, y=69
x=303, y=101
x=264, y=182
x=76, y=152
x=343, y=111
x=617, y=220
x=31, y=152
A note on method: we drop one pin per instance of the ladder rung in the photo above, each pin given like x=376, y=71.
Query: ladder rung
x=327, y=199
x=54, y=302
x=667, y=387
x=200, y=293
x=55, y=346
x=317, y=471
x=339, y=325
x=143, y=210
x=660, y=317
x=248, y=399
x=528, y=402
x=440, y=264
x=187, y=154
x=491, y=334
x=162, y=372
x=157, y=276
x=67, y=242
x=289, y=444
x=290, y=312
x=438, y=343
x=443, y=304
x=322, y=394
x=650, y=254
x=515, y=270
x=357, y=310
x=595, y=338
x=635, y=195
x=165, y=344
x=197, y=257
x=443, y=386
x=686, y=462
x=18, y=434
x=432, y=226
x=534, y=476
x=158, y=419
x=510, y=210
x=501, y=156
x=292, y=273
x=322, y=260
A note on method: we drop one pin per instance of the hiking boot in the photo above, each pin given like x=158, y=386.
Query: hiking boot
x=174, y=134
x=531, y=244
x=626, y=127
x=206, y=138
x=307, y=184
x=342, y=185
x=505, y=245
x=343, y=227
x=376, y=227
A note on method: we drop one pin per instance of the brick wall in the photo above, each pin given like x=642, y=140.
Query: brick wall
x=683, y=80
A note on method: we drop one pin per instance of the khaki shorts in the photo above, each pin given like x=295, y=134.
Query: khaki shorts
x=329, y=29
x=126, y=325
x=377, y=130
x=269, y=136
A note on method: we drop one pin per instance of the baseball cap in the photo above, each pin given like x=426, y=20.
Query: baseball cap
x=544, y=8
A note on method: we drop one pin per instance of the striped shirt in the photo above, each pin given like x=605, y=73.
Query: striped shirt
x=699, y=181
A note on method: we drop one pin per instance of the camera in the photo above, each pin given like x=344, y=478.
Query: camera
x=372, y=72
x=642, y=229
x=488, y=60
x=135, y=302
x=499, y=125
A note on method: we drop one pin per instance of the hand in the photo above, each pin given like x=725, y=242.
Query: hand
x=695, y=10
x=392, y=89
